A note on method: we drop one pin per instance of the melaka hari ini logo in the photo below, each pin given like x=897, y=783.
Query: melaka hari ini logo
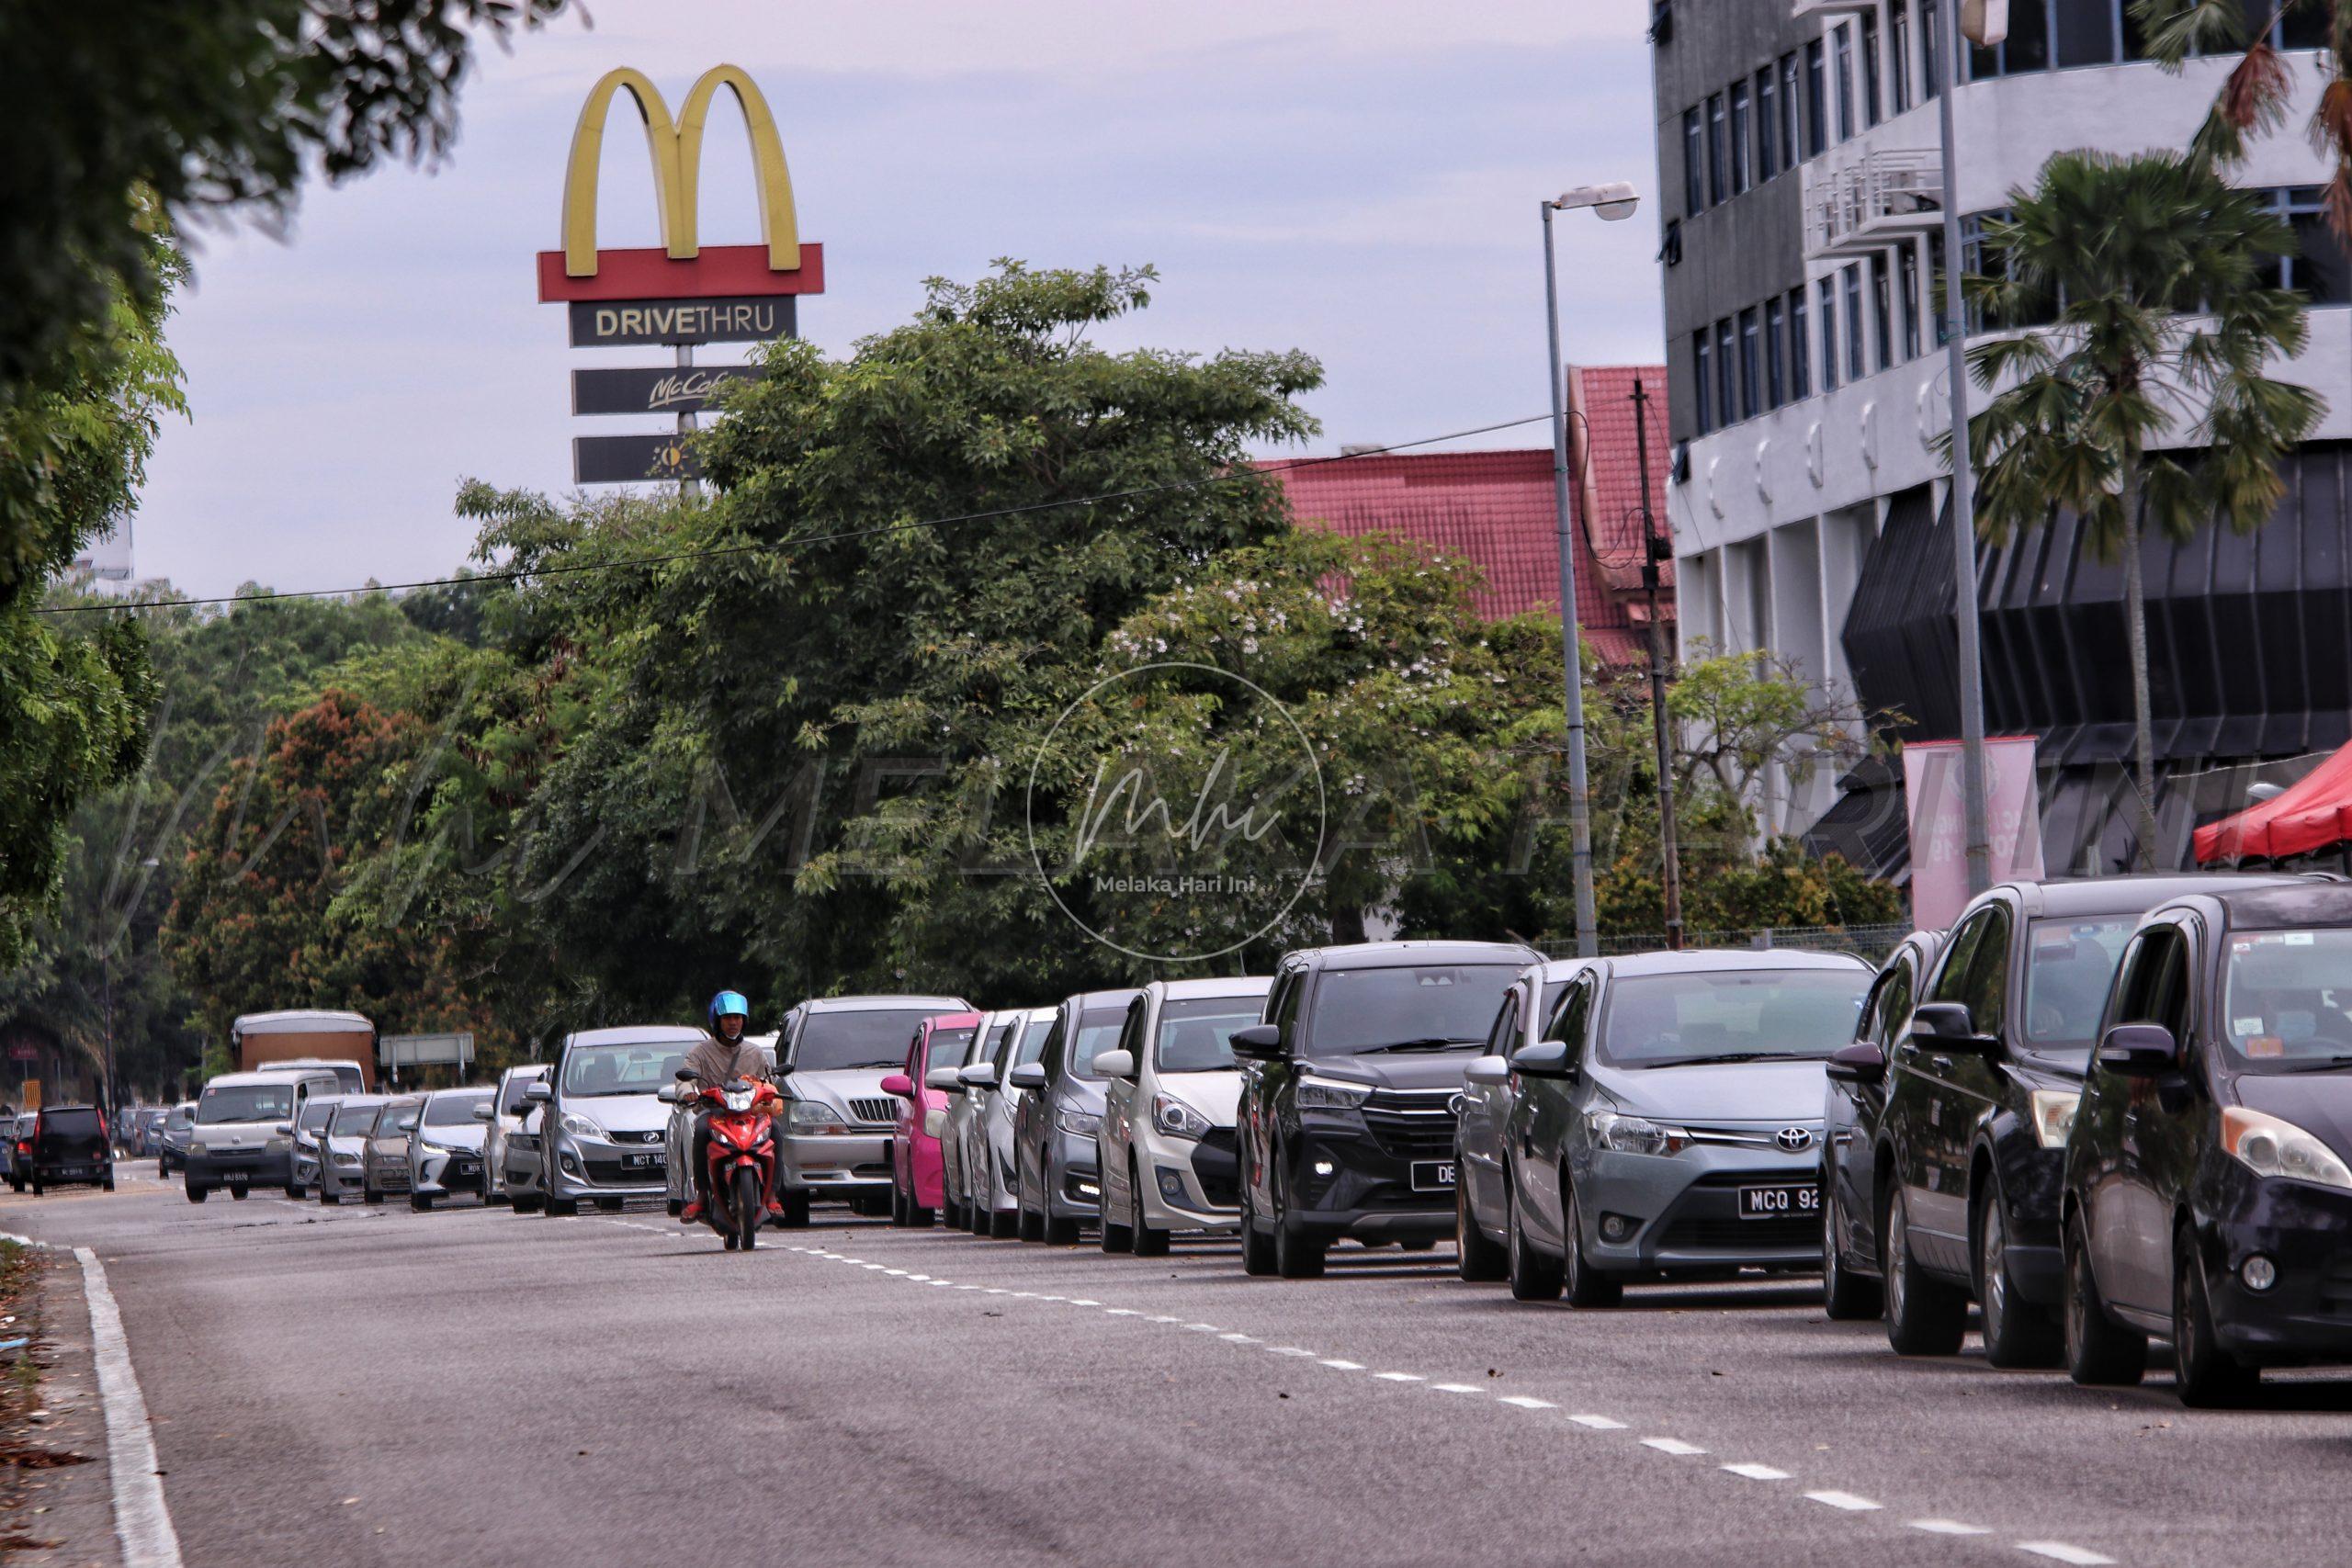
x=1176, y=811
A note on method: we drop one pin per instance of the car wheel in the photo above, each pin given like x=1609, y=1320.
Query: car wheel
x=524, y=1202
x=2208, y=1377
x=1534, y=1276
x=1297, y=1256
x=2100, y=1352
x=1119, y=1236
x=198, y=1194
x=1584, y=1284
x=420, y=1202
x=1925, y=1316
x=1142, y=1240
x=108, y=1184
x=609, y=1205
x=673, y=1206
x=1475, y=1258
x=979, y=1215
x=1029, y=1226
x=369, y=1194
x=1846, y=1296
x=1257, y=1245
x=328, y=1199
x=293, y=1192
x=1003, y=1223
x=561, y=1208
x=2016, y=1333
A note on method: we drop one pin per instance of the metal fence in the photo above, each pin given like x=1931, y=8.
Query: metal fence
x=1871, y=942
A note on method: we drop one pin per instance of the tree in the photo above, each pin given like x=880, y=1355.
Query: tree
x=2147, y=268
x=1738, y=715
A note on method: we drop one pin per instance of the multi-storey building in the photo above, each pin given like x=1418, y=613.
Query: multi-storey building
x=1798, y=149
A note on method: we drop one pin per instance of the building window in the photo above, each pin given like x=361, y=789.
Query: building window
x=1937, y=284
x=2302, y=27
x=1694, y=163
x=2085, y=31
x=2317, y=270
x=1726, y=374
x=1898, y=53
x=1718, y=162
x=1743, y=162
x=1882, y=308
x=1776, y=371
x=1701, y=382
x=1870, y=68
x=1792, y=115
x=2027, y=48
x=1909, y=279
x=1750, y=378
x=1816, y=102
x=1844, y=49
x=1768, y=126
x=1855, y=368
x=1829, y=291
x=1800, y=349
x=1931, y=43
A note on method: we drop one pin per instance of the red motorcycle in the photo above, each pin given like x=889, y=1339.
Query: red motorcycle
x=742, y=1160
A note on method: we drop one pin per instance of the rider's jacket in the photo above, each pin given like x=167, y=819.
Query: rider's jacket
x=714, y=1062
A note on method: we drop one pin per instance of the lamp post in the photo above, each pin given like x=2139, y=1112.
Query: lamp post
x=1613, y=202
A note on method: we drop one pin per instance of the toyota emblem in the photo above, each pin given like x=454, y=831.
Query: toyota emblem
x=1796, y=1140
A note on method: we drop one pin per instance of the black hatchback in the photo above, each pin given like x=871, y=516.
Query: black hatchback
x=2209, y=1179
x=69, y=1148
x=1981, y=1092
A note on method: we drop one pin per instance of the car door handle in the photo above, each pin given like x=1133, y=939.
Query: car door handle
x=1941, y=1064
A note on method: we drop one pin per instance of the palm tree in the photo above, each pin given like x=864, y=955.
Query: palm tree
x=2145, y=400
x=2254, y=96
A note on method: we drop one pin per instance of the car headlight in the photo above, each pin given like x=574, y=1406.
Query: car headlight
x=1621, y=1134
x=816, y=1118
x=195, y=1149
x=1329, y=1094
x=347, y=1159
x=1079, y=1123
x=275, y=1146
x=428, y=1146
x=2054, y=1115
x=2268, y=1145
x=1178, y=1120
x=579, y=1126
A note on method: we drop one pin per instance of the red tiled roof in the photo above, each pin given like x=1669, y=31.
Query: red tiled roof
x=1496, y=508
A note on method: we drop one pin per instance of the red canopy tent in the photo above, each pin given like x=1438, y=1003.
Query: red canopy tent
x=2316, y=813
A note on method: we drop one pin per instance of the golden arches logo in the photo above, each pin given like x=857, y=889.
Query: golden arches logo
x=677, y=166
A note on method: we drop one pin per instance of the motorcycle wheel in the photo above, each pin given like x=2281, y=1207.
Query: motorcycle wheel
x=748, y=1208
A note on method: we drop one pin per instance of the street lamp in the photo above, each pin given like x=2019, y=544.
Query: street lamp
x=1613, y=202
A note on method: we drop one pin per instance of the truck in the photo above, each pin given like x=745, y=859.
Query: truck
x=259, y=1040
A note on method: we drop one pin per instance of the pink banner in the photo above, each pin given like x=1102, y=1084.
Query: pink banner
x=1939, y=822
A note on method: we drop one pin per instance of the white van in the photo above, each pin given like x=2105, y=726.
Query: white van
x=243, y=1129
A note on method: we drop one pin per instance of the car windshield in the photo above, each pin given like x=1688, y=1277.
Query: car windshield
x=948, y=1046
x=2066, y=977
x=2287, y=997
x=393, y=1119
x=180, y=1117
x=70, y=1123
x=1431, y=1006
x=246, y=1102
x=511, y=1101
x=1659, y=1021
x=1098, y=1031
x=316, y=1114
x=1196, y=1032
x=352, y=1121
x=858, y=1037
x=593, y=1071
x=450, y=1110
x=1033, y=1043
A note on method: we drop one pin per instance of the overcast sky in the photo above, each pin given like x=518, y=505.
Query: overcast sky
x=1357, y=178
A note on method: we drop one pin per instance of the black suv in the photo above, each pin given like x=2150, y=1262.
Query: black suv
x=2209, y=1179
x=1982, y=1089
x=1349, y=1094
x=68, y=1147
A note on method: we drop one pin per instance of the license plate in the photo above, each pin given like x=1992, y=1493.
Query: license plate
x=1778, y=1203
x=469, y=1167
x=236, y=1177
x=641, y=1162
x=1433, y=1176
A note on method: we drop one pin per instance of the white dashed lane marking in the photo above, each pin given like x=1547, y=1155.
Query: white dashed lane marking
x=2058, y=1550
x=1674, y=1445
x=1845, y=1500
x=1756, y=1472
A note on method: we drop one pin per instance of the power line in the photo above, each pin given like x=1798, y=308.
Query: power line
x=793, y=542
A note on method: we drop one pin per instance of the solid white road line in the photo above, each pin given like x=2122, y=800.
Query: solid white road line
x=142, y=1521
x=2060, y=1552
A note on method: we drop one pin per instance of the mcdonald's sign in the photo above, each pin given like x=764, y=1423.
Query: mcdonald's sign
x=681, y=267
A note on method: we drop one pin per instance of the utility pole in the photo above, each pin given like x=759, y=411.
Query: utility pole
x=1571, y=636
x=1656, y=551
x=1963, y=482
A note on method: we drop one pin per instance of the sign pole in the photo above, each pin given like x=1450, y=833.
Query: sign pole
x=1976, y=823
x=688, y=488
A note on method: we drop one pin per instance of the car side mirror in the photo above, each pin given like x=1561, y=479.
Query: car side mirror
x=1487, y=1070
x=282, y=1128
x=667, y=1094
x=1028, y=1075
x=1947, y=1024
x=485, y=1112
x=1116, y=1064
x=1861, y=1062
x=899, y=1085
x=1545, y=1059
x=947, y=1079
x=538, y=1093
x=979, y=1075
x=1259, y=1043
x=684, y=1075
x=2139, y=1051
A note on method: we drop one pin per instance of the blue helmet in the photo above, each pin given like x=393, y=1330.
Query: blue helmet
x=728, y=1002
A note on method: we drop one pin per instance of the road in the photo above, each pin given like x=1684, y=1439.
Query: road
x=374, y=1386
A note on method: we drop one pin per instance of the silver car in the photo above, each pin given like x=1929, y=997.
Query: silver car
x=1167, y=1155
x=343, y=1147
x=308, y=1129
x=445, y=1155
x=501, y=1118
x=1670, y=1121
x=383, y=1154
x=998, y=1116
x=835, y=1144
x=601, y=1125
x=1480, y=1211
x=958, y=1169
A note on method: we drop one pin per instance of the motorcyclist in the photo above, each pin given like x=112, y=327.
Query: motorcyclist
x=722, y=1058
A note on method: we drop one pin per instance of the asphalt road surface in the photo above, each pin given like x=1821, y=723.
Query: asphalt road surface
x=374, y=1386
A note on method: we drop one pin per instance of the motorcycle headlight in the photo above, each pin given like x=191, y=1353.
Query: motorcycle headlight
x=2054, y=1115
x=1329, y=1094
x=1178, y=1120
x=814, y=1116
x=1621, y=1134
x=579, y=1126
x=1079, y=1123
x=2269, y=1145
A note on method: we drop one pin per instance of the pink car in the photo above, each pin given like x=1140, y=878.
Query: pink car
x=918, y=1165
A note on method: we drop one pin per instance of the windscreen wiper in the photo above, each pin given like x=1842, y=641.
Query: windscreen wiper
x=2322, y=1065
x=1731, y=1056
x=1430, y=1043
